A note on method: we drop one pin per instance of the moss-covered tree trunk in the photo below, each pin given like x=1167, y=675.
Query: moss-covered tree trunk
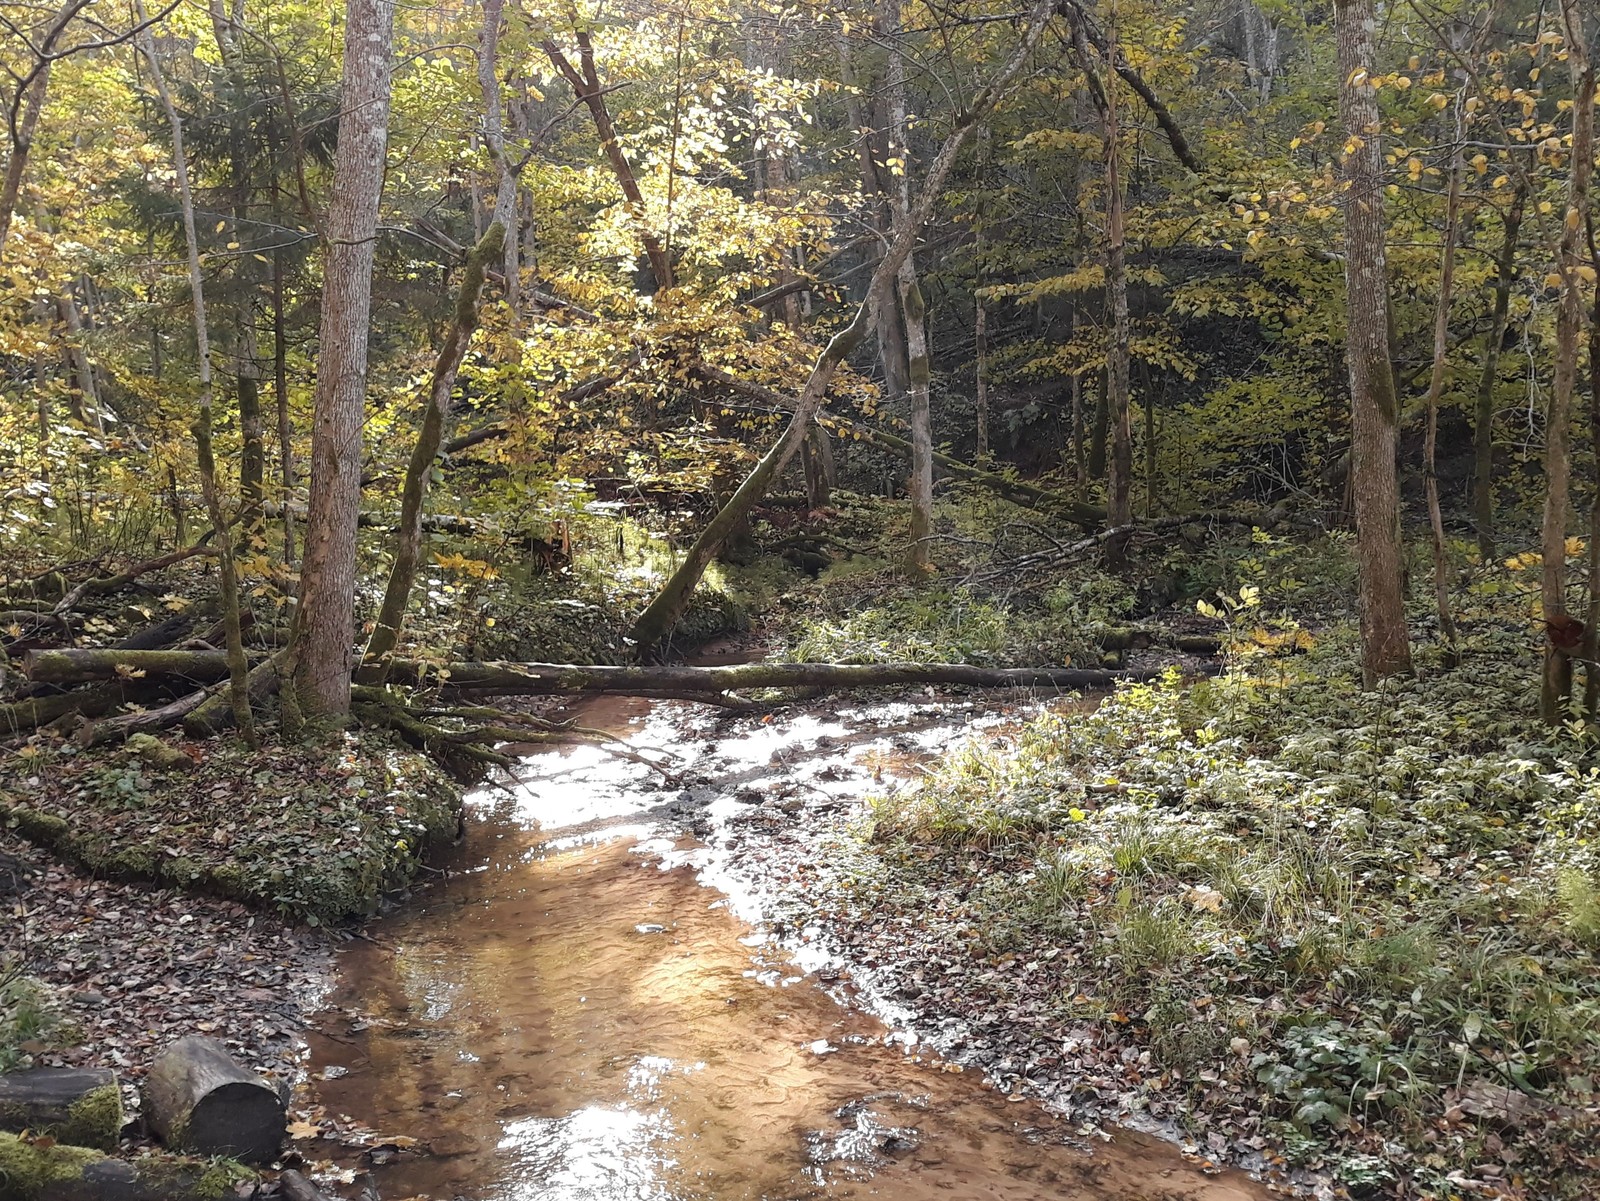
x=408, y=539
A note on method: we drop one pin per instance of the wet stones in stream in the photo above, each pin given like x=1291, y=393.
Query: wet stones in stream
x=867, y=1137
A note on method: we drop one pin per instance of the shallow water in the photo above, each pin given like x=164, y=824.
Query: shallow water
x=573, y=1014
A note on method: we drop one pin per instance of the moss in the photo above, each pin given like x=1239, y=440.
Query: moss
x=94, y=1120
x=35, y=825
x=27, y=1168
x=317, y=833
x=201, y=1179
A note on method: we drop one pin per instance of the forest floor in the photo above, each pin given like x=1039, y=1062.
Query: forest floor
x=1325, y=933
x=121, y=970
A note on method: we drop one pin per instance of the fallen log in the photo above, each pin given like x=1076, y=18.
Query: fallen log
x=215, y=713
x=550, y=679
x=196, y=1098
x=38, y=711
x=547, y=679
x=81, y=1106
x=79, y=665
x=145, y=721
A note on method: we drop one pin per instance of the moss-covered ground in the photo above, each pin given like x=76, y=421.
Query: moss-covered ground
x=316, y=832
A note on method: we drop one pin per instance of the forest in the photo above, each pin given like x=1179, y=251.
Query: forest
x=734, y=599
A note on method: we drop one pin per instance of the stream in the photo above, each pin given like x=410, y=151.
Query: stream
x=583, y=1007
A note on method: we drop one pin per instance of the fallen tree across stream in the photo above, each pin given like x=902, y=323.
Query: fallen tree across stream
x=82, y=666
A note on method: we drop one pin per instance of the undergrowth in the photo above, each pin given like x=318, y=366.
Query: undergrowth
x=1359, y=924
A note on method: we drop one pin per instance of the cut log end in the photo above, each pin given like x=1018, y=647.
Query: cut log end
x=197, y=1098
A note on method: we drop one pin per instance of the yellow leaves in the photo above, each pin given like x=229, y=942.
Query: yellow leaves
x=475, y=568
x=1480, y=163
x=1546, y=207
x=1524, y=561
x=1439, y=101
x=1501, y=181
x=1553, y=280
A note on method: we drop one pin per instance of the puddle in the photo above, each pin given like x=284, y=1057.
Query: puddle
x=572, y=1014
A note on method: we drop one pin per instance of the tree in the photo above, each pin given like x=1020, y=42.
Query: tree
x=323, y=651
x=1374, y=410
x=661, y=614
x=1556, y=688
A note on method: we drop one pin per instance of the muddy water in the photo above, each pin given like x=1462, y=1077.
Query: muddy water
x=573, y=1015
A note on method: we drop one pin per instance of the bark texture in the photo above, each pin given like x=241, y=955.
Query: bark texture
x=1385, y=646
x=325, y=619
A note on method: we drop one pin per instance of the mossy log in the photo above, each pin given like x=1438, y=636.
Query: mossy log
x=36, y=711
x=45, y=1170
x=540, y=679
x=81, y=665
x=82, y=1106
x=197, y=1098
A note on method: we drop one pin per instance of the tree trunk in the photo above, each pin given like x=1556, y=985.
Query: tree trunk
x=505, y=197
x=1483, y=421
x=886, y=326
x=21, y=147
x=280, y=388
x=657, y=619
x=1556, y=686
x=226, y=572
x=1119, y=481
x=196, y=1098
x=1385, y=646
x=1441, y=345
x=408, y=543
x=84, y=396
x=913, y=307
x=325, y=619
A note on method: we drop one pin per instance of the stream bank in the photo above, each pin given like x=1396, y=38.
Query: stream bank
x=588, y=1004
